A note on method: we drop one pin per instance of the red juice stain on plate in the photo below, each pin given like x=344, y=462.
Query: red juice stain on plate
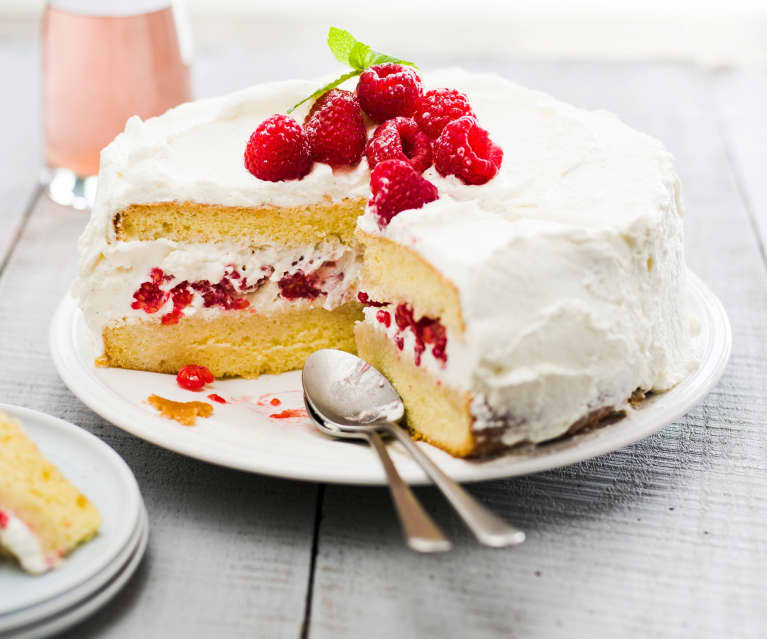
x=275, y=402
x=290, y=413
x=217, y=398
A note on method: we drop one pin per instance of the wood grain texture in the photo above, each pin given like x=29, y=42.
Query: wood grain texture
x=663, y=538
x=740, y=96
x=229, y=553
x=20, y=149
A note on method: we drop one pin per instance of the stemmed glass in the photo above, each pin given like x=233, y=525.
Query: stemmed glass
x=104, y=61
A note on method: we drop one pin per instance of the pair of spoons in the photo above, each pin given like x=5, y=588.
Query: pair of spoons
x=347, y=398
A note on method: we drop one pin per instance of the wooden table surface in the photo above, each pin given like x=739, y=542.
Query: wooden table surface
x=663, y=538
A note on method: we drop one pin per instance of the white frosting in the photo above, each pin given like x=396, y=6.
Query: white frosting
x=569, y=262
x=22, y=543
x=106, y=291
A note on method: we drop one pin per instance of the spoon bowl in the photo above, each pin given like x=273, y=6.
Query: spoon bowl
x=349, y=392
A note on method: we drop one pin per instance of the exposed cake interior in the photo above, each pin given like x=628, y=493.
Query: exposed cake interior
x=239, y=290
x=43, y=517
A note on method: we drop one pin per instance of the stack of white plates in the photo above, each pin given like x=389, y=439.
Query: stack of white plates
x=42, y=605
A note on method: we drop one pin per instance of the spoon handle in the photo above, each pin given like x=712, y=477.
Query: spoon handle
x=487, y=527
x=421, y=533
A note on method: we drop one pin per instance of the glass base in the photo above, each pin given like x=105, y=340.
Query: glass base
x=67, y=188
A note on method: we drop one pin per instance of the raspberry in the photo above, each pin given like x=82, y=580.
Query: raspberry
x=465, y=150
x=278, y=150
x=397, y=186
x=364, y=298
x=193, y=377
x=400, y=139
x=384, y=317
x=181, y=297
x=438, y=108
x=222, y=294
x=403, y=316
x=336, y=130
x=298, y=285
x=432, y=331
x=150, y=297
x=388, y=90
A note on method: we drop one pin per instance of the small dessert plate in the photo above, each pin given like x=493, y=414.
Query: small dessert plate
x=106, y=480
x=262, y=426
x=53, y=624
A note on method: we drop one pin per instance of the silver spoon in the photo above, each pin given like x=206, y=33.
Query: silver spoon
x=352, y=397
x=421, y=533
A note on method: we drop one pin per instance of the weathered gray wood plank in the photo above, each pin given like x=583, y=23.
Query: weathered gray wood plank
x=741, y=101
x=20, y=125
x=663, y=538
x=229, y=553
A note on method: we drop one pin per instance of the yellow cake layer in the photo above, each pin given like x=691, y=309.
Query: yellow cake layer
x=435, y=413
x=392, y=273
x=38, y=494
x=206, y=223
x=236, y=343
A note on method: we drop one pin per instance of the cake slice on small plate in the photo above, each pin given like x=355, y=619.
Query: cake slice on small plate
x=43, y=516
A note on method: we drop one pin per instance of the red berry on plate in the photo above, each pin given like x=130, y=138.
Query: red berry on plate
x=335, y=129
x=438, y=107
x=464, y=149
x=193, y=377
x=388, y=90
x=400, y=139
x=278, y=150
x=397, y=186
x=384, y=317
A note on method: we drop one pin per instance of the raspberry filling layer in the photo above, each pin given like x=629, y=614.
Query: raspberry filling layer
x=429, y=332
x=231, y=291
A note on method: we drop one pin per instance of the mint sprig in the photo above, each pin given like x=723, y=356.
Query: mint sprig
x=350, y=51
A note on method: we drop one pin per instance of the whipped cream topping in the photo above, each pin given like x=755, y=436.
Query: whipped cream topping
x=17, y=538
x=106, y=291
x=569, y=264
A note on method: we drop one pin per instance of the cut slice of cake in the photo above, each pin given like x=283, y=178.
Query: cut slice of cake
x=43, y=517
x=189, y=258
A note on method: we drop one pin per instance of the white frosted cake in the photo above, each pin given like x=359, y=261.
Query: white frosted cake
x=534, y=303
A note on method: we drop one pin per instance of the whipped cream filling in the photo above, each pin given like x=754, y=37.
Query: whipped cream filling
x=107, y=285
x=452, y=371
x=17, y=538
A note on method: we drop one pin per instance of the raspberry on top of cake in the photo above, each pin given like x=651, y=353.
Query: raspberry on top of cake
x=43, y=517
x=513, y=264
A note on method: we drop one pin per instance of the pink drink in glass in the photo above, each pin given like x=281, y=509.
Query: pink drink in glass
x=102, y=63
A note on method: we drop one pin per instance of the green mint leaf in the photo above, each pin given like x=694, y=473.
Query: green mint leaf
x=350, y=51
x=341, y=43
x=359, y=57
x=326, y=88
x=380, y=58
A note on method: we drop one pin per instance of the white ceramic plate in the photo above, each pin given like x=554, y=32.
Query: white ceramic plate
x=244, y=433
x=59, y=622
x=56, y=605
x=105, y=479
